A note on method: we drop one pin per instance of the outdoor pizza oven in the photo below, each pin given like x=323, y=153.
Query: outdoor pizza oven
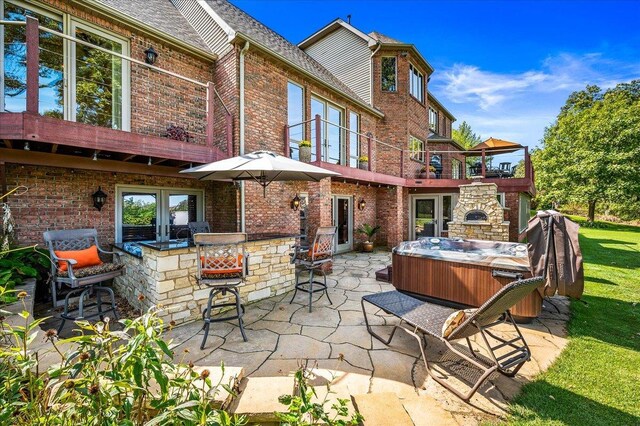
x=478, y=215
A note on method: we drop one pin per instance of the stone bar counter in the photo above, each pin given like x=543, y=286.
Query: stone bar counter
x=163, y=274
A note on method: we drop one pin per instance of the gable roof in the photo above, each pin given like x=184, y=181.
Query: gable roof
x=435, y=137
x=384, y=38
x=246, y=27
x=432, y=99
x=155, y=16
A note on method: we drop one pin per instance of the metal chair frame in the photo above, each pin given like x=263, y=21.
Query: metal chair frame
x=322, y=251
x=222, y=252
x=82, y=287
x=424, y=318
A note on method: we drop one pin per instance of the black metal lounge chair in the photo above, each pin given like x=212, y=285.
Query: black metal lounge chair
x=424, y=318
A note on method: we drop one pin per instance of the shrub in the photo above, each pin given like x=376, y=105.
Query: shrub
x=16, y=265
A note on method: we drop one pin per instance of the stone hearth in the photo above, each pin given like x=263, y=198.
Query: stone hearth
x=478, y=214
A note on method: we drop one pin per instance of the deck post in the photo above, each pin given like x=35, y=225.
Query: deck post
x=287, y=142
x=318, y=138
x=484, y=167
x=210, y=113
x=427, y=160
x=369, y=151
x=527, y=163
x=33, y=64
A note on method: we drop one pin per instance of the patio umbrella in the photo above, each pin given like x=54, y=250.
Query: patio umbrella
x=493, y=145
x=263, y=167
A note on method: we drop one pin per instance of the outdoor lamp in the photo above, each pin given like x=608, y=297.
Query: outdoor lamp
x=99, y=198
x=295, y=203
x=150, y=56
x=362, y=204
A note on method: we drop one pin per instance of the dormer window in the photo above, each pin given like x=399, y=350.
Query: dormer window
x=416, y=83
x=433, y=120
x=388, y=74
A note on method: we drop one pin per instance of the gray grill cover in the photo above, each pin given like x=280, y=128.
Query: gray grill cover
x=565, y=274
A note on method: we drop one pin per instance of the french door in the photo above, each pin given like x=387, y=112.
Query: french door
x=331, y=131
x=430, y=215
x=156, y=214
x=343, y=220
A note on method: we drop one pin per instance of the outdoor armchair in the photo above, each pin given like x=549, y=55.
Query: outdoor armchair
x=507, y=355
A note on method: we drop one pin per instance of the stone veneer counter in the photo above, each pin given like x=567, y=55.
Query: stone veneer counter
x=164, y=274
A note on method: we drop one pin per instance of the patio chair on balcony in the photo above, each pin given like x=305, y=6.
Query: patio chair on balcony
x=76, y=263
x=311, y=260
x=507, y=355
x=223, y=266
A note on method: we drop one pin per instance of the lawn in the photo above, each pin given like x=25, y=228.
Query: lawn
x=596, y=380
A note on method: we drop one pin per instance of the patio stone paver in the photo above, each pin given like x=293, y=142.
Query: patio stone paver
x=335, y=340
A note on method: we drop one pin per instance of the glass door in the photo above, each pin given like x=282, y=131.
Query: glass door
x=182, y=209
x=343, y=220
x=331, y=131
x=425, y=219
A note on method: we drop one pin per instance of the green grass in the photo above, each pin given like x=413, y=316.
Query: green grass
x=596, y=379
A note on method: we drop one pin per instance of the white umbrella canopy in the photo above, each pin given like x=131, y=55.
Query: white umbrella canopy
x=263, y=167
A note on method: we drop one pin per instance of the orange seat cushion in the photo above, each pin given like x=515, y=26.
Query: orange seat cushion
x=86, y=257
x=228, y=265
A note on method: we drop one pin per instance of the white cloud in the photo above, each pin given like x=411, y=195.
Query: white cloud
x=518, y=106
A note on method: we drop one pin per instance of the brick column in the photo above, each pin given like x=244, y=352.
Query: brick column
x=319, y=210
x=390, y=204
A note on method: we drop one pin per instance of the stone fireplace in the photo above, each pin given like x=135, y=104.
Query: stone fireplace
x=478, y=214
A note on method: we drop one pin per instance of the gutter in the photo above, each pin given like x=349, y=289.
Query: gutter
x=270, y=52
x=123, y=18
x=243, y=51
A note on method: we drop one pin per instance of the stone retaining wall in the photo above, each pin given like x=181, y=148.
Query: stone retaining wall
x=167, y=278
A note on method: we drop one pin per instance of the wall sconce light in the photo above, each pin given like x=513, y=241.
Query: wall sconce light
x=99, y=198
x=295, y=203
x=150, y=56
x=27, y=147
x=362, y=204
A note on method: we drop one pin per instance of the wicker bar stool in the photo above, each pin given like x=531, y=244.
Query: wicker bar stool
x=311, y=261
x=223, y=265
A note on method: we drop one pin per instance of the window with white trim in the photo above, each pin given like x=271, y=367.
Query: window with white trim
x=500, y=197
x=416, y=149
x=524, y=212
x=456, y=169
x=295, y=117
x=416, y=83
x=354, y=139
x=98, y=92
x=388, y=73
x=433, y=119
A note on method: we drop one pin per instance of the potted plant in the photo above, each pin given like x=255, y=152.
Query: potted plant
x=432, y=172
x=422, y=173
x=305, y=151
x=363, y=162
x=369, y=231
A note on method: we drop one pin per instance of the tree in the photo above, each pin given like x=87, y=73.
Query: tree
x=591, y=154
x=465, y=136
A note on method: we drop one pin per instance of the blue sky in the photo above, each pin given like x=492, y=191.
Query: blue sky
x=506, y=67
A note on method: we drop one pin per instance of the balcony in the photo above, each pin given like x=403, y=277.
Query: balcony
x=81, y=98
x=341, y=150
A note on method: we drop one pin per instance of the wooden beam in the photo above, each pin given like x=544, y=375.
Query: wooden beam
x=54, y=148
x=129, y=157
x=7, y=143
x=161, y=160
x=18, y=156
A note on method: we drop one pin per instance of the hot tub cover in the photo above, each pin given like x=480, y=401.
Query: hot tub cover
x=565, y=273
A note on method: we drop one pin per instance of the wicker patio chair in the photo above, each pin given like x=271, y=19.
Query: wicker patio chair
x=311, y=261
x=424, y=318
x=223, y=265
x=83, y=281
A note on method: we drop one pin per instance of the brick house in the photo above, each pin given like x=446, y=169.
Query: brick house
x=82, y=109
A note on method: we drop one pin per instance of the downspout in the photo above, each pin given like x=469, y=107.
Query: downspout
x=372, y=82
x=242, y=127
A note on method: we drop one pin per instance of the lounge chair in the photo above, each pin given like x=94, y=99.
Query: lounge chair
x=424, y=318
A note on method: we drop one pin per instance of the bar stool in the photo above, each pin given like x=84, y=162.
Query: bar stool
x=223, y=265
x=311, y=261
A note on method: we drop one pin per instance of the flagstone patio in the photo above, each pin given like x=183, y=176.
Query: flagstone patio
x=335, y=339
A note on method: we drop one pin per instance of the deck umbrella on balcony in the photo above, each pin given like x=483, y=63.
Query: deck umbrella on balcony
x=262, y=167
x=493, y=146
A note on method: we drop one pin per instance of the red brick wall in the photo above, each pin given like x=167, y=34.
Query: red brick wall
x=512, y=202
x=60, y=198
x=157, y=100
x=391, y=213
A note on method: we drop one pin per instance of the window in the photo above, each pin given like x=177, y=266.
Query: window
x=524, y=212
x=354, y=139
x=156, y=214
x=433, y=120
x=295, y=117
x=98, y=89
x=500, y=198
x=416, y=149
x=416, y=83
x=331, y=132
x=388, y=74
x=456, y=169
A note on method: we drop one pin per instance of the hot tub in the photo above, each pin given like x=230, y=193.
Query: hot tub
x=462, y=272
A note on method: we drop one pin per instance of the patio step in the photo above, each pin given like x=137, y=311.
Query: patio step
x=384, y=275
x=381, y=409
x=258, y=398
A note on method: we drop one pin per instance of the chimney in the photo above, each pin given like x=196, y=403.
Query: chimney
x=349, y=19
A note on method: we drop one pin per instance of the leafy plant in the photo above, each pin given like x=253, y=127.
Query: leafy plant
x=368, y=230
x=305, y=409
x=178, y=133
x=363, y=159
x=108, y=377
x=303, y=144
x=18, y=264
